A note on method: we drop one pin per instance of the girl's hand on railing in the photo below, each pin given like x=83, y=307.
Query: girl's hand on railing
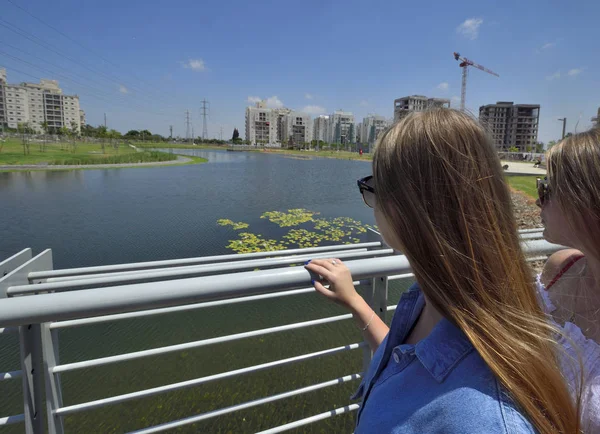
x=341, y=289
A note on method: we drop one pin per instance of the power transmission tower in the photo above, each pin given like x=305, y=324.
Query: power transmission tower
x=204, y=112
x=187, y=125
x=171, y=131
x=104, y=120
x=193, y=135
x=221, y=135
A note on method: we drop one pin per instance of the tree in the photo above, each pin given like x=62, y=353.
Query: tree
x=132, y=134
x=102, y=133
x=45, y=128
x=550, y=144
x=513, y=149
x=236, y=134
x=539, y=147
x=145, y=134
x=23, y=129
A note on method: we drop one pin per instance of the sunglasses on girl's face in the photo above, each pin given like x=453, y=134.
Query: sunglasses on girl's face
x=365, y=186
x=543, y=189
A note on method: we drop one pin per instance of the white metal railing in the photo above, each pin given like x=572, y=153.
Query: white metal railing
x=41, y=301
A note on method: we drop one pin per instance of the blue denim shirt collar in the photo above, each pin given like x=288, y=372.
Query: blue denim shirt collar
x=442, y=349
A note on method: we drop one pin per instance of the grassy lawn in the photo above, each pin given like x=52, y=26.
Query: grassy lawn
x=342, y=155
x=11, y=153
x=526, y=184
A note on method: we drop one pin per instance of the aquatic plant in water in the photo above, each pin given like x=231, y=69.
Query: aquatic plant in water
x=317, y=231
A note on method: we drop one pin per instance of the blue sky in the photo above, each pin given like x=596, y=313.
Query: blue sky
x=145, y=62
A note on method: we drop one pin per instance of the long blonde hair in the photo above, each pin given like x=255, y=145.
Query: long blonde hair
x=574, y=178
x=441, y=189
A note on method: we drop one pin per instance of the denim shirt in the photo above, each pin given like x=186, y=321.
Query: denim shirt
x=439, y=385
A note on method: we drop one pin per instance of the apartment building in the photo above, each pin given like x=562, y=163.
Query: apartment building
x=371, y=127
x=596, y=119
x=36, y=103
x=511, y=125
x=297, y=126
x=320, y=125
x=261, y=124
x=82, y=120
x=417, y=103
x=275, y=126
x=341, y=128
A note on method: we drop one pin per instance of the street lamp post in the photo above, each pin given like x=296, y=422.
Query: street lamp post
x=564, y=121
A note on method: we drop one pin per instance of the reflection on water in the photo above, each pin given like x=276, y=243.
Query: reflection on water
x=95, y=217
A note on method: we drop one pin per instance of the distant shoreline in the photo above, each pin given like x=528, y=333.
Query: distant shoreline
x=180, y=161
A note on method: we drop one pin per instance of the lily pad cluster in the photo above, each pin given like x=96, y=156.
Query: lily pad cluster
x=250, y=243
x=293, y=217
x=236, y=226
x=316, y=231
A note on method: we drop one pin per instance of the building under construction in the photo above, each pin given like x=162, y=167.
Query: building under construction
x=416, y=103
x=511, y=125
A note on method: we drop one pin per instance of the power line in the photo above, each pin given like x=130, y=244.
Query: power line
x=48, y=47
x=111, y=97
x=204, y=112
x=69, y=38
x=94, y=96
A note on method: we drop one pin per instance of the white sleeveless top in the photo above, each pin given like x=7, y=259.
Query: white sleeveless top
x=590, y=354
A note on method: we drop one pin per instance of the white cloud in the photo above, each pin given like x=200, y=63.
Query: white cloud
x=553, y=76
x=123, y=89
x=443, y=86
x=574, y=72
x=363, y=103
x=194, y=65
x=470, y=28
x=314, y=110
x=548, y=45
x=274, y=102
x=308, y=96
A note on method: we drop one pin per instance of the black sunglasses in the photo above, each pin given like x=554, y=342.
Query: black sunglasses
x=367, y=190
x=543, y=189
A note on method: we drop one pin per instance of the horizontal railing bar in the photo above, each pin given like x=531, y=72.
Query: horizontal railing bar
x=192, y=261
x=9, y=420
x=143, y=296
x=236, y=265
x=153, y=276
x=185, y=307
x=245, y=405
x=64, y=411
x=11, y=375
x=9, y=330
x=196, y=344
x=400, y=276
x=528, y=231
x=311, y=419
x=390, y=308
x=532, y=235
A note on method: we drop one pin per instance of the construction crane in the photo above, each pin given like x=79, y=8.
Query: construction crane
x=464, y=64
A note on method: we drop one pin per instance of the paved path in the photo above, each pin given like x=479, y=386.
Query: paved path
x=180, y=160
x=523, y=168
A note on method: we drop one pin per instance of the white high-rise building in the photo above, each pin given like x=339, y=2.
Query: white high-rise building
x=320, y=125
x=341, y=128
x=371, y=127
x=298, y=127
x=261, y=125
x=267, y=126
x=36, y=103
x=416, y=103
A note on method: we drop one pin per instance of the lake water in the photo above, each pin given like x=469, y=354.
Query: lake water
x=97, y=217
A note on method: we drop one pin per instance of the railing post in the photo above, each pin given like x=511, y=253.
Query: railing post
x=53, y=388
x=31, y=366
